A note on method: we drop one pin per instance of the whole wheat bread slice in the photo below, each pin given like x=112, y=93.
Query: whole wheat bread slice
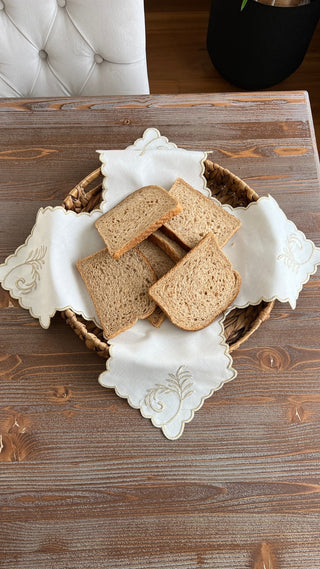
x=200, y=215
x=118, y=288
x=135, y=218
x=168, y=245
x=199, y=287
x=158, y=259
x=161, y=264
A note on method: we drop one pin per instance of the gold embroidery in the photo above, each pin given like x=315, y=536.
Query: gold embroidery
x=178, y=384
x=33, y=263
x=145, y=147
x=294, y=245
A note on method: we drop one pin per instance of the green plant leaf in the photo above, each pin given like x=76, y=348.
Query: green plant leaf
x=243, y=4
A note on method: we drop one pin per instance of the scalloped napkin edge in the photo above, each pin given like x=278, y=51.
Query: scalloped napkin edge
x=273, y=257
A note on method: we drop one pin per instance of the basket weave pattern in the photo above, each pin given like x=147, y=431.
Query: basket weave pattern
x=228, y=189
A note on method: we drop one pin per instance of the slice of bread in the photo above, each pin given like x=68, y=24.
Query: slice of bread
x=168, y=245
x=135, y=218
x=158, y=259
x=199, y=287
x=161, y=264
x=118, y=288
x=200, y=215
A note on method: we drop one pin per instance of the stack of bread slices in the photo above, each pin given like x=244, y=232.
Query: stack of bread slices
x=162, y=257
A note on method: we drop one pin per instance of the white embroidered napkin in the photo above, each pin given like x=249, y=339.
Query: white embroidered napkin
x=42, y=273
x=168, y=373
x=152, y=159
x=273, y=257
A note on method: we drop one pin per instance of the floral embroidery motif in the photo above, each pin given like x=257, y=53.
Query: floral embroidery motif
x=32, y=266
x=178, y=384
x=291, y=255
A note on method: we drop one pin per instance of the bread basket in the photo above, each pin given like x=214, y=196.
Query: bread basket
x=227, y=188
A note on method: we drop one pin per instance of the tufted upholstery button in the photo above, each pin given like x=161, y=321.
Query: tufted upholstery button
x=98, y=58
x=43, y=54
x=46, y=48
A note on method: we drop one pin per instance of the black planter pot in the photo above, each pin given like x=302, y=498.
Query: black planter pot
x=261, y=45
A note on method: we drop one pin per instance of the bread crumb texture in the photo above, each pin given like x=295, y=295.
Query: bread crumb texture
x=199, y=287
x=135, y=218
x=158, y=259
x=118, y=288
x=161, y=264
x=199, y=216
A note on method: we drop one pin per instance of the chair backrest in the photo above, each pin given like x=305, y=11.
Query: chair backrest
x=72, y=47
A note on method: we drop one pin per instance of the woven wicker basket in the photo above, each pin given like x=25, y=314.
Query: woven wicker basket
x=227, y=188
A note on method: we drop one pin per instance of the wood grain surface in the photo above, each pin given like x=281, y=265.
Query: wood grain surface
x=86, y=482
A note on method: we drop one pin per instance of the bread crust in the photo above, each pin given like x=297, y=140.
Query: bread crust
x=170, y=246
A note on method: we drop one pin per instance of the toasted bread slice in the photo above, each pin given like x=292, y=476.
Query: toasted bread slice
x=199, y=287
x=200, y=215
x=135, y=218
x=118, y=288
x=161, y=264
x=168, y=245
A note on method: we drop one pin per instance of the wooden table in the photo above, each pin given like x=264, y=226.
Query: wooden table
x=86, y=482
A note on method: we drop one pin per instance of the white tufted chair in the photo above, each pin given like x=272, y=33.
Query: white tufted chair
x=72, y=47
